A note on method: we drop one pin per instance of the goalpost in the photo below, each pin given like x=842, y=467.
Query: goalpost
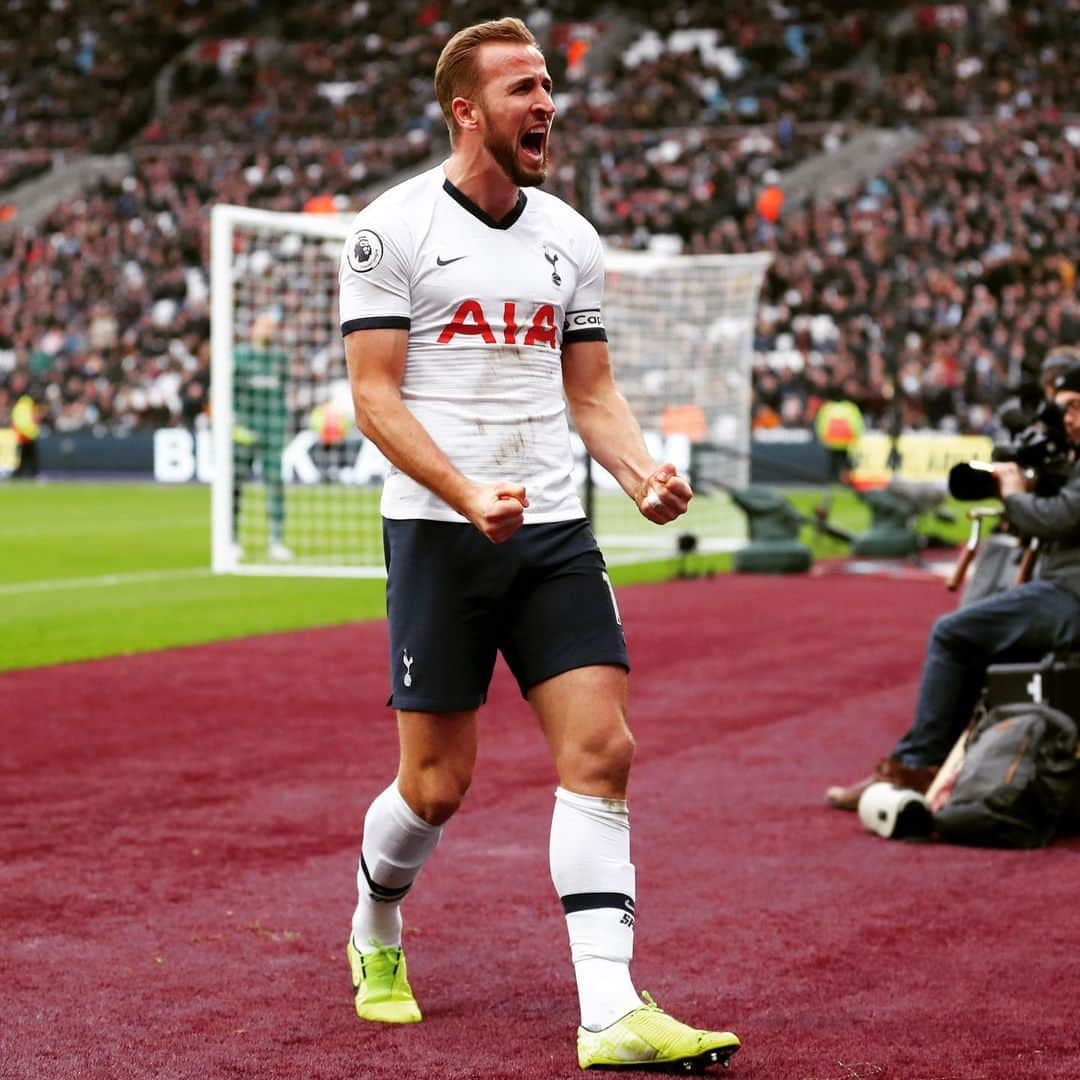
x=296, y=487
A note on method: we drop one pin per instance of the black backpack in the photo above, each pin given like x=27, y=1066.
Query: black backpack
x=1019, y=782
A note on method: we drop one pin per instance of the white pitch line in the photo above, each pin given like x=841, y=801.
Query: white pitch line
x=19, y=588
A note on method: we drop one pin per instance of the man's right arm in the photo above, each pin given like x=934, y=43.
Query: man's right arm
x=376, y=363
x=1054, y=517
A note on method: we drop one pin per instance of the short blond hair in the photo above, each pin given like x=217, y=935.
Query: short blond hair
x=457, y=73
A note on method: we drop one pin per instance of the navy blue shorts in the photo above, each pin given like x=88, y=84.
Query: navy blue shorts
x=543, y=599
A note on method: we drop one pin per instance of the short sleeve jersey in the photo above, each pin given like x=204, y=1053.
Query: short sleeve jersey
x=488, y=305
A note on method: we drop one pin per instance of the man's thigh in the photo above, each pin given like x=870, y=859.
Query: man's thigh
x=1030, y=618
x=582, y=713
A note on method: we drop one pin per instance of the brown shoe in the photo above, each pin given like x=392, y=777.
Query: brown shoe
x=889, y=770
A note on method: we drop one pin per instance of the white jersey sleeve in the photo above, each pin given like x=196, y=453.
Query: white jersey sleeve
x=584, y=317
x=374, y=274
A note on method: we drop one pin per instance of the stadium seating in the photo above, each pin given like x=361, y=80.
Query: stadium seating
x=951, y=270
x=79, y=76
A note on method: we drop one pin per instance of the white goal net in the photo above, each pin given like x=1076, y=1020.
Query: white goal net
x=295, y=485
x=681, y=333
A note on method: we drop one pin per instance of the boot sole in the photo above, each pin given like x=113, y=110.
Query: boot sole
x=695, y=1065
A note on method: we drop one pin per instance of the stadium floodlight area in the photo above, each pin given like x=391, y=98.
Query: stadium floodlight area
x=296, y=487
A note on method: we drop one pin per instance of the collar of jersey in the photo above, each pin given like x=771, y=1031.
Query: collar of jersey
x=502, y=223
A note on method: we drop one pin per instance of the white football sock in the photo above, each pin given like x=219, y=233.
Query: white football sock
x=592, y=872
x=396, y=845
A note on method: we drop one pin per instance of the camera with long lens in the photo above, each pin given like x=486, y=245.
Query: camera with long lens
x=1041, y=448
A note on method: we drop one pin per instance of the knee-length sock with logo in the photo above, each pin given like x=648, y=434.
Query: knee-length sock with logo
x=396, y=845
x=593, y=875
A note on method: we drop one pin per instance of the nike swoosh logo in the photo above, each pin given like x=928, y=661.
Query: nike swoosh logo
x=447, y=262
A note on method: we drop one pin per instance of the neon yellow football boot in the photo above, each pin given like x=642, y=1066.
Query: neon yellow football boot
x=648, y=1038
x=380, y=985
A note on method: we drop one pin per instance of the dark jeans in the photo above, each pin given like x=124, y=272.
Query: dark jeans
x=1023, y=622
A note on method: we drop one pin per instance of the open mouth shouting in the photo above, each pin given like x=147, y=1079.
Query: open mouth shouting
x=534, y=146
x=522, y=157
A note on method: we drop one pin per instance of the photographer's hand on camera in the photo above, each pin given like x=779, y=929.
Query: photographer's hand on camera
x=1011, y=479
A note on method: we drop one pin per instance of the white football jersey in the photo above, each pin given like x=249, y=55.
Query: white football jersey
x=488, y=306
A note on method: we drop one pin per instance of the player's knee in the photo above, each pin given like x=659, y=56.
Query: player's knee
x=437, y=794
x=601, y=761
x=620, y=751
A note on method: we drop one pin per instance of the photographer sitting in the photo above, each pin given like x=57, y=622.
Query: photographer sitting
x=1034, y=618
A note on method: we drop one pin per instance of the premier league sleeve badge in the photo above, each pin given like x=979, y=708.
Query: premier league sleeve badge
x=364, y=251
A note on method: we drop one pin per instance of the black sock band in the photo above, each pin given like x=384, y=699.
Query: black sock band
x=588, y=901
x=381, y=893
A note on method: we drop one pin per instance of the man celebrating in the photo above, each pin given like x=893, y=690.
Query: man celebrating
x=1036, y=617
x=472, y=317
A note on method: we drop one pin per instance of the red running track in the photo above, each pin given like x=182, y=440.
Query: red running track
x=180, y=831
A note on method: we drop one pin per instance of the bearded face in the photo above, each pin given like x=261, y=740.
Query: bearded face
x=522, y=156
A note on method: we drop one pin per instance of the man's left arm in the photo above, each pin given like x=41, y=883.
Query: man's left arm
x=1048, y=517
x=612, y=436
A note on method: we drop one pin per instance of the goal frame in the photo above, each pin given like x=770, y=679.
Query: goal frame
x=224, y=219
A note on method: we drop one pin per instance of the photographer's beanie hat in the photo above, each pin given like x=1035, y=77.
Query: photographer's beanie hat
x=1069, y=379
x=1059, y=359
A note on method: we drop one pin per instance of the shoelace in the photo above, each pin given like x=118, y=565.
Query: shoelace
x=388, y=953
x=666, y=1035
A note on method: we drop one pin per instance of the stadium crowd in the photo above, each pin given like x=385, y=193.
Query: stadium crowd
x=80, y=76
x=953, y=273
x=886, y=64
x=934, y=285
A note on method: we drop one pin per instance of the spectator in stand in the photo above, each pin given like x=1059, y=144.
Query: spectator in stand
x=958, y=263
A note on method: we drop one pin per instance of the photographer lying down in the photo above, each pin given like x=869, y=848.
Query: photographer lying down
x=1025, y=621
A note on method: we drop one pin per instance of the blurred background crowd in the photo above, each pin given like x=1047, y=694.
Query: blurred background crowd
x=923, y=284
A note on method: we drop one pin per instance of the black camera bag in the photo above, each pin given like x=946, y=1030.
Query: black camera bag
x=1020, y=779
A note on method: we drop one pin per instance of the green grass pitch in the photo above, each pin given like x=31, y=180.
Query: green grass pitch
x=94, y=569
